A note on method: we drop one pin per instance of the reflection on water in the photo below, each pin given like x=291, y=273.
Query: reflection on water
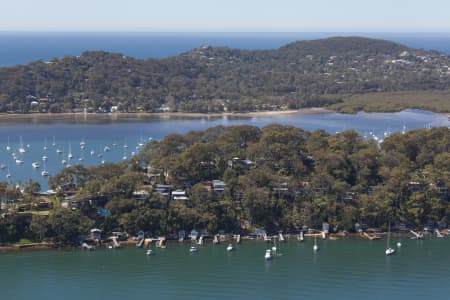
x=349, y=268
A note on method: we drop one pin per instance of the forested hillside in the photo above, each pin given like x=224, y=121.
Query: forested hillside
x=212, y=79
x=277, y=177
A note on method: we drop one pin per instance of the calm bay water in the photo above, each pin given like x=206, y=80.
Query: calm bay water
x=343, y=269
x=114, y=131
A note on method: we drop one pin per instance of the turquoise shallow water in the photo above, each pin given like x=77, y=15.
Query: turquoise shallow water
x=343, y=269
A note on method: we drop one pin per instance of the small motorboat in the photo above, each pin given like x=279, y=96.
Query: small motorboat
x=35, y=165
x=230, y=247
x=390, y=251
x=193, y=249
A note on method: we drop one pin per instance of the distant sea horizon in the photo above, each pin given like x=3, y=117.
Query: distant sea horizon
x=21, y=47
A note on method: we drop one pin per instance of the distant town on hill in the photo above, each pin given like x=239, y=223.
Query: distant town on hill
x=344, y=73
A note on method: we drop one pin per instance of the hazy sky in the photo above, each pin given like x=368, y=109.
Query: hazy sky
x=226, y=15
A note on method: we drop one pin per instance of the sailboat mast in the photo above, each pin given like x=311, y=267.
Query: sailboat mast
x=389, y=234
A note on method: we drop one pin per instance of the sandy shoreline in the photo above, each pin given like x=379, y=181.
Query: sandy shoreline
x=304, y=111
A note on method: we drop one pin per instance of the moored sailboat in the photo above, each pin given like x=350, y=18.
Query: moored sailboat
x=315, y=247
x=389, y=250
x=300, y=237
x=8, y=147
x=45, y=173
x=21, y=148
x=268, y=255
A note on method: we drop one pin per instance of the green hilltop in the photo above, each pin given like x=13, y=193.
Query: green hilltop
x=216, y=79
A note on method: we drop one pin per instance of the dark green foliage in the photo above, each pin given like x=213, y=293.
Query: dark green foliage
x=278, y=177
x=214, y=79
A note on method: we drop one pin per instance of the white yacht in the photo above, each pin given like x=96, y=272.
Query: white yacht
x=19, y=161
x=44, y=158
x=268, y=255
x=390, y=251
x=193, y=249
x=230, y=247
x=35, y=165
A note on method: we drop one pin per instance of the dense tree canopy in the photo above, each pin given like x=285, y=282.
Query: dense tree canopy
x=278, y=177
x=211, y=79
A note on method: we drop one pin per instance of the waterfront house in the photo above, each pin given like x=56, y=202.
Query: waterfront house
x=141, y=194
x=326, y=228
x=140, y=235
x=194, y=234
x=259, y=233
x=96, y=234
x=120, y=236
x=240, y=163
x=154, y=174
x=179, y=195
x=281, y=187
x=218, y=186
x=163, y=189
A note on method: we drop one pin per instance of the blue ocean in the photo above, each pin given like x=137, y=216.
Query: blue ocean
x=24, y=47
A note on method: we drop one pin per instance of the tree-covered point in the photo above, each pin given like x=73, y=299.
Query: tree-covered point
x=277, y=177
x=217, y=79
